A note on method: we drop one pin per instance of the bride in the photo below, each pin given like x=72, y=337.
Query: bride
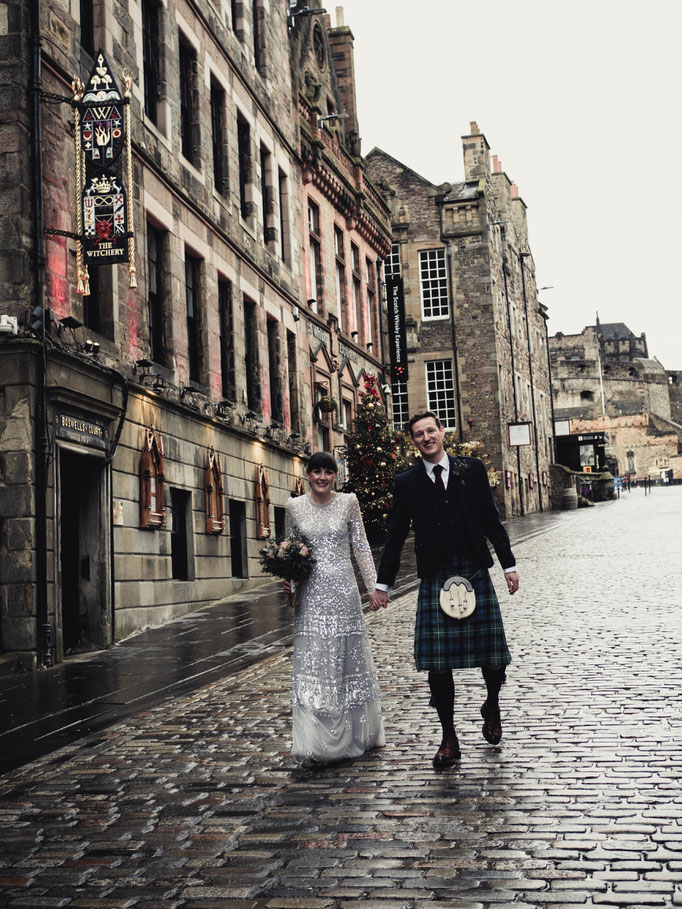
x=336, y=707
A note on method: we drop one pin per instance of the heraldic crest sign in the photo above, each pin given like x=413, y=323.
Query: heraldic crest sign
x=103, y=172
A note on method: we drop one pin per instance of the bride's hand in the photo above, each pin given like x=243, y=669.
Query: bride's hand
x=289, y=586
x=377, y=599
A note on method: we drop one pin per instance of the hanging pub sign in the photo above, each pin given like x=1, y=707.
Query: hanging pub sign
x=105, y=222
x=397, y=331
x=103, y=173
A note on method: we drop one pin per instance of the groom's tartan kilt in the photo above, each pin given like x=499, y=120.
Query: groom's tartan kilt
x=444, y=643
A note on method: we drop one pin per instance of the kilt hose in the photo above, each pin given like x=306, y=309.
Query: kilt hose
x=444, y=643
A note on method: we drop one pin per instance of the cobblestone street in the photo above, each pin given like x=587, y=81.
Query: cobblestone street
x=195, y=804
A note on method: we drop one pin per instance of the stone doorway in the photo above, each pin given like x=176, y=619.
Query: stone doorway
x=84, y=555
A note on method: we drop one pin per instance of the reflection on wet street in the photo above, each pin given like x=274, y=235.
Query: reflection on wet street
x=45, y=710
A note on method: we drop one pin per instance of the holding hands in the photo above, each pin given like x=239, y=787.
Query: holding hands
x=377, y=599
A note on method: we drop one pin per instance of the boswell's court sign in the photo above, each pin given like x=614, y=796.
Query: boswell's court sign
x=103, y=173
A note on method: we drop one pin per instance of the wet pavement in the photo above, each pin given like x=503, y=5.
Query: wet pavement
x=45, y=710
x=193, y=803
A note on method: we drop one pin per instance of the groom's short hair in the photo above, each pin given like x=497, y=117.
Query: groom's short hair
x=422, y=416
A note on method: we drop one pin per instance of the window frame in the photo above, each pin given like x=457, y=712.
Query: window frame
x=444, y=407
x=194, y=317
x=432, y=285
x=187, y=71
x=156, y=299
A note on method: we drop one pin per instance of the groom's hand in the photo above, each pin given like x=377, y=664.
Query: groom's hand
x=377, y=599
x=512, y=580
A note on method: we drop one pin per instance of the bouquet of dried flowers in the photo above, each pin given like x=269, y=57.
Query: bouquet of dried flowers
x=291, y=559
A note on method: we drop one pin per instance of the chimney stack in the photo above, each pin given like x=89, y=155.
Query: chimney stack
x=341, y=44
x=476, y=154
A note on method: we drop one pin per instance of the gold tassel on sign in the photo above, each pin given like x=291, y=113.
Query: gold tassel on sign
x=132, y=279
x=77, y=87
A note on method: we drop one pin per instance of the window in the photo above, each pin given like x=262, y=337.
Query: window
x=245, y=167
x=293, y=387
x=155, y=295
x=152, y=498
x=87, y=22
x=392, y=261
x=98, y=304
x=283, y=216
x=314, y=257
x=237, y=24
x=280, y=522
x=218, y=138
x=226, y=317
x=355, y=259
x=275, y=368
x=213, y=484
x=440, y=391
x=189, y=137
x=267, y=198
x=340, y=276
x=346, y=414
x=434, y=284
x=150, y=57
x=92, y=309
x=253, y=397
x=258, y=35
x=369, y=268
x=357, y=296
x=401, y=413
x=587, y=396
x=193, y=304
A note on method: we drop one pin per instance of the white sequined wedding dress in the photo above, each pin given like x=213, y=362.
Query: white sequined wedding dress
x=336, y=706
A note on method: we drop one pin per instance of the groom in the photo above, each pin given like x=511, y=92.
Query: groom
x=450, y=504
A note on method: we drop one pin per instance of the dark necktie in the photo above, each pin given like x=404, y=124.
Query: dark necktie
x=437, y=471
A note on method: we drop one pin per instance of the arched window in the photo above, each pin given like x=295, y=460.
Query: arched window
x=262, y=504
x=152, y=496
x=213, y=483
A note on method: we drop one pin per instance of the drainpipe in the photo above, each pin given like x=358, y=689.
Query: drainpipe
x=43, y=628
x=522, y=257
x=543, y=313
x=439, y=202
x=505, y=269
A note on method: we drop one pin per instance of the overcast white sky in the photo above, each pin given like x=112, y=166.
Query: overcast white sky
x=580, y=101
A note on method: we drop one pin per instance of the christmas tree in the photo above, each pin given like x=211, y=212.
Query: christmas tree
x=371, y=460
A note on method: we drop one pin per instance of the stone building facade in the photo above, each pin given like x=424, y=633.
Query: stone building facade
x=605, y=381
x=151, y=442
x=346, y=231
x=476, y=335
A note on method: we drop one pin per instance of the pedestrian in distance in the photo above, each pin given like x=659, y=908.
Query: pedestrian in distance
x=336, y=707
x=449, y=502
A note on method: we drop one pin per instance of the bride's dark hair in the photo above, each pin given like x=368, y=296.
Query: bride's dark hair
x=321, y=460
